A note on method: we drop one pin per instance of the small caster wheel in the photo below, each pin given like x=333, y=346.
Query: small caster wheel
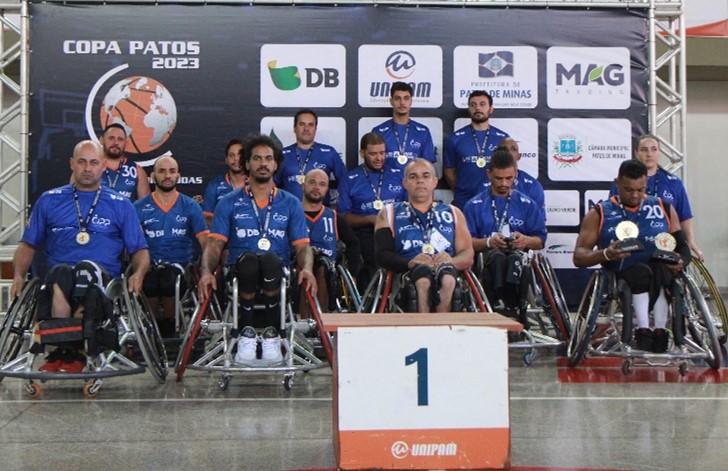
x=627, y=367
x=91, y=388
x=224, y=383
x=288, y=382
x=33, y=390
x=683, y=369
x=529, y=357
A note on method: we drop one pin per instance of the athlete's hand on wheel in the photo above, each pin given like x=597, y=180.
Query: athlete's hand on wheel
x=135, y=283
x=308, y=281
x=17, y=287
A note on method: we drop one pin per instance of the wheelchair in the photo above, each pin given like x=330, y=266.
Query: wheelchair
x=601, y=329
x=542, y=310
x=702, y=277
x=390, y=292
x=132, y=319
x=186, y=300
x=343, y=294
x=214, y=338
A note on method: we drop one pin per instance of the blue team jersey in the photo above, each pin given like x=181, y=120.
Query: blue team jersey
x=235, y=222
x=357, y=191
x=651, y=219
x=298, y=161
x=529, y=186
x=523, y=215
x=124, y=180
x=670, y=189
x=323, y=232
x=218, y=187
x=461, y=153
x=113, y=227
x=412, y=139
x=409, y=226
x=170, y=231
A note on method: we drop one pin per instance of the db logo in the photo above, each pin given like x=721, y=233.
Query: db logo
x=400, y=450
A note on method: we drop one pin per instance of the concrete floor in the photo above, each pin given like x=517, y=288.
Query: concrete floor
x=135, y=423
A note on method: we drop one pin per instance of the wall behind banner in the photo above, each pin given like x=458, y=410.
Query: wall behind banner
x=569, y=84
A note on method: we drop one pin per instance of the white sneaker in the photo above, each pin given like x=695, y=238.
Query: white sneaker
x=271, y=345
x=247, y=346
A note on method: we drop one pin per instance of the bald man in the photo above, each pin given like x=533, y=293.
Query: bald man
x=171, y=222
x=325, y=229
x=83, y=229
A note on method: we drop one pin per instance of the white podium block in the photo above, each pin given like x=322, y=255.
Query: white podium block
x=422, y=397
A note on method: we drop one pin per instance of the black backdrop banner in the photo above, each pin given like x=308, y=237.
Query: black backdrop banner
x=569, y=84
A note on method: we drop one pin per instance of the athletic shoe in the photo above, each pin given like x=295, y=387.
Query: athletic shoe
x=247, y=346
x=644, y=338
x=660, y=341
x=271, y=345
x=53, y=361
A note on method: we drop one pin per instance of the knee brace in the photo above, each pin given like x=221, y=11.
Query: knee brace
x=514, y=268
x=86, y=274
x=246, y=270
x=271, y=271
x=421, y=271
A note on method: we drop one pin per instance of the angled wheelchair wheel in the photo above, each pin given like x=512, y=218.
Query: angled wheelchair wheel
x=372, y=293
x=147, y=333
x=703, y=279
x=586, y=317
x=554, y=297
x=17, y=321
x=700, y=323
x=189, y=339
x=350, y=293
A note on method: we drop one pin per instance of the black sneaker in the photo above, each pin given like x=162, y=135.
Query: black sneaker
x=644, y=339
x=660, y=340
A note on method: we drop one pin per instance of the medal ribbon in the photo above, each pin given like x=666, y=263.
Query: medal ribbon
x=415, y=219
x=481, y=150
x=401, y=146
x=83, y=223
x=377, y=191
x=500, y=221
x=302, y=168
x=269, y=210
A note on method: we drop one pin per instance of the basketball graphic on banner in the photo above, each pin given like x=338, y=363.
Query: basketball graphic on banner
x=145, y=108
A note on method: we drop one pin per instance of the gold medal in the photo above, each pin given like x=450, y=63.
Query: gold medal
x=83, y=238
x=378, y=204
x=264, y=244
x=401, y=158
x=480, y=162
x=300, y=179
x=665, y=241
x=627, y=230
x=428, y=249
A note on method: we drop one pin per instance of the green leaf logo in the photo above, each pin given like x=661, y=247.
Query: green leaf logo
x=596, y=73
x=284, y=78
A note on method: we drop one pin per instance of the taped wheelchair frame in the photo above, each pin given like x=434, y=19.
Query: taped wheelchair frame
x=600, y=329
x=218, y=342
x=136, y=327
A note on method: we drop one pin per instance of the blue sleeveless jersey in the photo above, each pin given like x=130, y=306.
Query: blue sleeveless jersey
x=170, y=232
x=123, y=180
x=322, y=231
x=651, y=219
x=409, y=231
x=670, y=189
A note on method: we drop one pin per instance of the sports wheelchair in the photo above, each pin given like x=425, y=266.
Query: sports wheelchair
x=343, y=293
x=542, y=307
x=700, y=274
x=131, y=318
x=215, y=338
x=601, y=329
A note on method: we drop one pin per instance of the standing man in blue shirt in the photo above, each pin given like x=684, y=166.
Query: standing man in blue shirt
x=468, y=150
x=307, y=154
x=121, y=174
x=83, y=229
x=171, y=221
x=364, y=192
x=221, y=185
x=405, y=138
x=259, y=224
x=504, y=223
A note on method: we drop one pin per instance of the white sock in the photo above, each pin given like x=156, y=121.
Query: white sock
x=641, y=305
x=660, y=311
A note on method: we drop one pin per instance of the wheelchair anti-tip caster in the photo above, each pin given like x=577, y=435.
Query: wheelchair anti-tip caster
x=288, y=382
x=627, y=367
x=91, y=388
x=224, y=382
x=33, y=390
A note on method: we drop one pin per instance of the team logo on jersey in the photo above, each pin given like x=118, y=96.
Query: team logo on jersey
x=567, y=150
x=495, y=64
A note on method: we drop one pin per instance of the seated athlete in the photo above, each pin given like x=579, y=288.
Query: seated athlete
x=427, y=238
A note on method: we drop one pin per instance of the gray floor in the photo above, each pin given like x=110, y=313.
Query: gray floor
x=256, y=425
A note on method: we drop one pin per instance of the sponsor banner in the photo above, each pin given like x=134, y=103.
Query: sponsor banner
x=303, y=75
x=592, y=197
x=523, y=130
x=562, y=207
x=587, y=149
x=508, y=73
x=559, y=249
x=331, y=131
x=588, y=78
x=381, y=65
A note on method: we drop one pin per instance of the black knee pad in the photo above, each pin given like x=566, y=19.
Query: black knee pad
x=271, y=271
x=247, y=269
x=86, y=274
x=638, y=277
x=514, y=268
x=421, y=271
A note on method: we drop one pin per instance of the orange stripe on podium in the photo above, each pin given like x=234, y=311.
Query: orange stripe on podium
x=425, y=449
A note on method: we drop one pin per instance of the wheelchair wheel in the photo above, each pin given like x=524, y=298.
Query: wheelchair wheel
x=147, y=334
x=554, y=297
x=586, y=318
x=17, y=321
x=703, y=279
x=700, y=323
x=349, y=291
x=189, y=339
x=370, y=298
